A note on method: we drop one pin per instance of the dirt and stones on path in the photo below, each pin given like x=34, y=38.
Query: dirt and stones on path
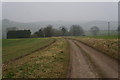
x=79, y=67
x=86, y=62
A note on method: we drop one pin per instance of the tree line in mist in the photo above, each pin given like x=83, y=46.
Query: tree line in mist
x=75, y=30
x=49, y=31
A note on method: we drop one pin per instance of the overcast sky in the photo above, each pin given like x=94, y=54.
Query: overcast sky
x=63, y=11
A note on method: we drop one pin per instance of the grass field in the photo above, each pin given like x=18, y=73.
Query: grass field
x=13, y=48
x=51, y=62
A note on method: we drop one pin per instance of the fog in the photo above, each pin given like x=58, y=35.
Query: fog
x=60, y=11
x=35, y=15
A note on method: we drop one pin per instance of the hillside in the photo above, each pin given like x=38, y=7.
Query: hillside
x=34, y=26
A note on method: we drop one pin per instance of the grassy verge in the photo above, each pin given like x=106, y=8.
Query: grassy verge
x=51, y=62
x=105, y=37
x=99, y=37
x=13, y=48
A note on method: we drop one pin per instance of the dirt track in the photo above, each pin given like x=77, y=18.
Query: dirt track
x=86, y=62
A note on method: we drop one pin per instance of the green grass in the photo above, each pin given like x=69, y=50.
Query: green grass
x=13, y=48
x=51, y=62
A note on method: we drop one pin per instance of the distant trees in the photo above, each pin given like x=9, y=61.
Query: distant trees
x=40, y=33
x=63, y=30
x=57, y=32
x=95, y=30
x=45, y=32
x=76, y=30
x=18, y=34
x=49, y=31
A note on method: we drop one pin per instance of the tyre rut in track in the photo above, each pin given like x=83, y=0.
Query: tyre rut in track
x=79, y=66
x=105, y=67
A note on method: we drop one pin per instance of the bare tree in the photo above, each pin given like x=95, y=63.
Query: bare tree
x=95, y=30
x=48, y=31
x=76, y=30
x=63, y=30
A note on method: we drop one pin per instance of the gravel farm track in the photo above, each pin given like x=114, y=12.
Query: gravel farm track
x=86, y=62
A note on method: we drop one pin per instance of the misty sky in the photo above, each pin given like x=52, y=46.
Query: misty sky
x=63, y=11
